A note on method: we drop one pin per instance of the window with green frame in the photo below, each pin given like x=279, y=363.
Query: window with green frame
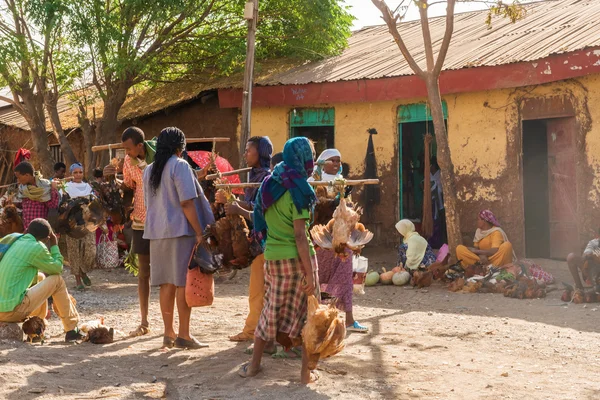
x=317, y=124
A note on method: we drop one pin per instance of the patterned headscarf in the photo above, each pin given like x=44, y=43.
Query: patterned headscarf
x=489, y=216
x=258, y=174
x=75, y=166
x=289, y=175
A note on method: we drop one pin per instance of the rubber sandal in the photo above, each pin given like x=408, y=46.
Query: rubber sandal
x=168, y=342
x=270, y=351
x=141, y=331
x=86, y=280
x=193, y=344
x=241, y=337
x=356, y=327
x=243, y=371
x=283, y=354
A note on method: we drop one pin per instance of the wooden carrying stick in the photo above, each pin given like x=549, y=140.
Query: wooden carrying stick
x=116, y=146
x=357, y=182
x=228, y=173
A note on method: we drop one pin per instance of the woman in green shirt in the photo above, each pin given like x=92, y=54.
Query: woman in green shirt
x=282, y=215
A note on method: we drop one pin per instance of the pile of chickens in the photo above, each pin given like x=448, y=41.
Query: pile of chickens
x=78, y=216
x=343, y=231
x=228, y=239
x=115, y=199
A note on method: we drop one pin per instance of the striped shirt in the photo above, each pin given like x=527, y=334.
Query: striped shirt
x=33, y=209
x=20, y=266
x=132, y=178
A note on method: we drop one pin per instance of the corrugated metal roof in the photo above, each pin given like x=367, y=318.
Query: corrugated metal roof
x=549, y=27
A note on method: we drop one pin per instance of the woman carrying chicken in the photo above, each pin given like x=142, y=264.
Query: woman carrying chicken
x=80, y=252
x=282, y=215
x=177, y=213
x=335, y=274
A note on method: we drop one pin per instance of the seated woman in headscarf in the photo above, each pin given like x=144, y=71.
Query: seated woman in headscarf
x=414, y=250
x=491, y=245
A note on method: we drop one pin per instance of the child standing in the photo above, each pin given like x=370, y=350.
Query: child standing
x=80, y=252
x=282, y=215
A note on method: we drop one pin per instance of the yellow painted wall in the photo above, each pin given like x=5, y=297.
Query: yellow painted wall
x=479, y=130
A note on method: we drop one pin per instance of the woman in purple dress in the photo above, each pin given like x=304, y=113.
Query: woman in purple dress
x=335, y=274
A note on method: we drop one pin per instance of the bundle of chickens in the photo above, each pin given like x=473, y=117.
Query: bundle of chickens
x=229, y=243
x=10, y=220
x=579, y=296
x=342, y=232
x=324, y=333
x=116, y=199
x=79, y=216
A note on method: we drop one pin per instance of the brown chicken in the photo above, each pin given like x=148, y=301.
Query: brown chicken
x=578, y=297
x=34, y=327
x=422, y=279
x=473, y=270
x=97, y=333
x=590, y=297
x=10, y=221
x=471, y=287
x=525, y=288
x=342, y=232
x=227, y=240
x=324, y=333
x=456, y=285
x=438, y=270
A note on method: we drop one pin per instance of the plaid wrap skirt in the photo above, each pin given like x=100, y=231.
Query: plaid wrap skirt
x=285, y=307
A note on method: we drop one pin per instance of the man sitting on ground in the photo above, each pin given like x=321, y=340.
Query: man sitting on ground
x=588, y=264
x=19, y=266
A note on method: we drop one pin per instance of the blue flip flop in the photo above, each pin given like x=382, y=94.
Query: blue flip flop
x=356, y=327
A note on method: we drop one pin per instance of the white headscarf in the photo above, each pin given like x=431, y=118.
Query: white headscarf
x=416, y=245
x=324, y=176
x=329, y=153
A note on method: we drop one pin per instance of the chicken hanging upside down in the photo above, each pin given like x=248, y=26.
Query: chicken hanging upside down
x=79, y=216
x=324, y=333
x=343, y=231
x=227, y=240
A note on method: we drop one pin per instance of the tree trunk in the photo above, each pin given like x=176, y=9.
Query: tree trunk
x=33, y=105
x=86, y=132
x=107, y=126
x=51, y=102
x=445, y=162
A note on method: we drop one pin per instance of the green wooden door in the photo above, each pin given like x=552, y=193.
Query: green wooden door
x=317, y=124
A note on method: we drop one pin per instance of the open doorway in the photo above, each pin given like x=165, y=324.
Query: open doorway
x=415, y=123
x=550, y=187
x=535, y=189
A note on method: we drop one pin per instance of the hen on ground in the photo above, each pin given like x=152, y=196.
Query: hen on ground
x=342, y=232
x=422, y=279
x=324, y=333
x=34, y=327
x=97, y=333
x=10, y=220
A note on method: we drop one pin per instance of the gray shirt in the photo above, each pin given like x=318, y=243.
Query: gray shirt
x=593, y=247
x=164, y=214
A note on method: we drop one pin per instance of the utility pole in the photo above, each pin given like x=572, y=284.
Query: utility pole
x=251, y=15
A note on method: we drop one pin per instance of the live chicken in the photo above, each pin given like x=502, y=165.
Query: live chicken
x=324, y=333
x=10, y=221
x=342, y=232
x=34, y=327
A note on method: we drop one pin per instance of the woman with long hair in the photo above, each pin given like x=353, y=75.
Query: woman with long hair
x=177, y=212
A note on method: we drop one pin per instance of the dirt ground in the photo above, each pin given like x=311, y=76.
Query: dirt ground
x=430, y=344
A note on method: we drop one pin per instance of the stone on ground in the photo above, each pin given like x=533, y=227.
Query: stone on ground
x=10, y=331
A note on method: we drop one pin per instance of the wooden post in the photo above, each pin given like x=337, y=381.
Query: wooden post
x=250, y=14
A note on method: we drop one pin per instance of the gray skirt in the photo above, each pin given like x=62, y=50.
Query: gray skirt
x=169, y=260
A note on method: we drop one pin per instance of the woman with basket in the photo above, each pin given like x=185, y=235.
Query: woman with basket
x=177, y=212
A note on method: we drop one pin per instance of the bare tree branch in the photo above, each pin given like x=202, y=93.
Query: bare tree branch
x=447, y=37
x=391, y=22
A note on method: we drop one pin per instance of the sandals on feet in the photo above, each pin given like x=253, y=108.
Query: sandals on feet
x=244, y=371
x=242, y=337
x=80, y=288
x=284, y=354
x=86, y=280
x=168, y=342
x=141, y=331
x=189, y=344
x=268, y=350
x=356, y=327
